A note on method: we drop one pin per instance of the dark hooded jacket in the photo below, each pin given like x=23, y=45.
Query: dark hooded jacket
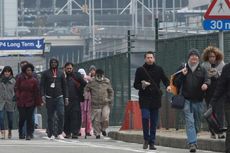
x=48, y=78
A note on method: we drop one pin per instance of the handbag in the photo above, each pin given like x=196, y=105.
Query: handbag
x=178, y=101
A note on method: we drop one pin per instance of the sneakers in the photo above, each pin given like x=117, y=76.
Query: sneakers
x=60, y=137
x=52, y=137
x=9, y=134
x=21, y=137
x=192, y=147
x=145, y=144
x=74, y=136
x=103, y=133
x=28, y=137
x=221, y=136
x=152, y=147
x=213, y=136
x=68, y=136
x=98, y=137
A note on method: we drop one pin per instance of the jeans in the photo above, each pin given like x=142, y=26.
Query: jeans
x=55, y=105
x=227, y=117
x=192, y=112
x=149, y=116
x=9, y=119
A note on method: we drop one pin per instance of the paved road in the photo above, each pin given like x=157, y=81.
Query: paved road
x=41, y=144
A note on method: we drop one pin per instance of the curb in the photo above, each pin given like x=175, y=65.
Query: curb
x=203, y=144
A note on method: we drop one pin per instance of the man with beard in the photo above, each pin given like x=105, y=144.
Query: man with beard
x=54, y=93
x=193, y=82
x=75, y=84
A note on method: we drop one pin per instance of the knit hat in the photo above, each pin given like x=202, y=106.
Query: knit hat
x=82, y=71
x=193, y=51
x=92, y=67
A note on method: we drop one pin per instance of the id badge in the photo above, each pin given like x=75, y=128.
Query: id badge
x=52, y=85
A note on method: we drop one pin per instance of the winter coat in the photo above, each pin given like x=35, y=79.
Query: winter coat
x=223, y=86
x=192, y=82
x=75, y=91
x=7, y=95
x=101, y=92
x=214, y=76
x=60, y=88
x=150, y=97
x=27, y=92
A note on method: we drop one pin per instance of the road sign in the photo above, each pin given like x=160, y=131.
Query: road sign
x=21, y=46
x=216, y=25
x=218, y=9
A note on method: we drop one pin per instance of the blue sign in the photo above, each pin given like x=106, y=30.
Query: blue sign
x=216, y=25
x=22, y=44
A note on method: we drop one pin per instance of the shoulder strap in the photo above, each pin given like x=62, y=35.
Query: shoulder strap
x=152, y=81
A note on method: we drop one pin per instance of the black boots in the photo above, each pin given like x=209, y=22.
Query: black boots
x=151, y=145
x=145, y=145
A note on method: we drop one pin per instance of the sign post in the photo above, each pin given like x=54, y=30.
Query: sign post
x=9, y=46
x=217, y=17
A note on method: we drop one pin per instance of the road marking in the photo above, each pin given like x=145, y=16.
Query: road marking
x=89, y=144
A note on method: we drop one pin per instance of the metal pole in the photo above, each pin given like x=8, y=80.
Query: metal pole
x=117, y=5
x=129, y=64
x=136, y=16
x=221, y=40
x=157, y=8
x=90, y=17
x=101, y=7
x=153, y=13
x=22, y=12
x=93, y=23
x=70, y=7
x=156, y=34
x=174, y=13
x=163, y=10
x=1, y=18
x=142, y=17
x=54, y=6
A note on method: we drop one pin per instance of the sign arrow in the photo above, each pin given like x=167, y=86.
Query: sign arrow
x=38, y=45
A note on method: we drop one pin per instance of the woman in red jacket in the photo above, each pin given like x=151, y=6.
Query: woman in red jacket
x=28, y=97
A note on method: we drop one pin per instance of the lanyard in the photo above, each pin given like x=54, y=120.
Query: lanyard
x=54, y=73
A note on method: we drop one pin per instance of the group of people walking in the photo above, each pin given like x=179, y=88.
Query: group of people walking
x=71, y=98
x=196, y=82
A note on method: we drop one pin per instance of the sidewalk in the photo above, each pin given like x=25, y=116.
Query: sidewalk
x=171, y=138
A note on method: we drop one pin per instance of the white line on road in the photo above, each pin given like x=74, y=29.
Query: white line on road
x=89, y=144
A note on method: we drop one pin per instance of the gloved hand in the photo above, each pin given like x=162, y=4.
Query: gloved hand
x=144, y=84
x=43, y=99
x=66, y=101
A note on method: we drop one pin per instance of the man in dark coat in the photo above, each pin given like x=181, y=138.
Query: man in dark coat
x=147, y=81
x=223, y=88
x=75, y=84
x=55, y=95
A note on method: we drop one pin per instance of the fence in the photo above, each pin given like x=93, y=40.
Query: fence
x=115, y=68
x=170, y=55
